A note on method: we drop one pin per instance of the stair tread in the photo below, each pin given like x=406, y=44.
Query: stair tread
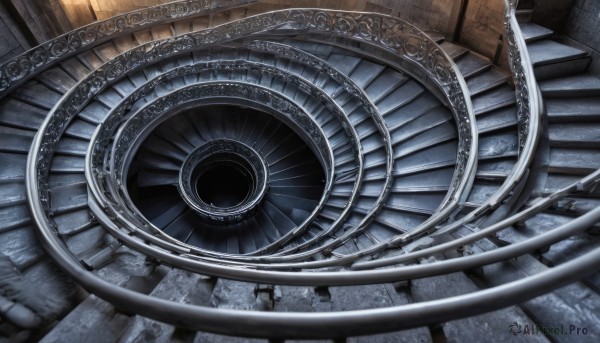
x=68, y=196
x=437, y=36
x=453, y=50
x=80, y=129
x=343, y=63
x=57, y=79
x=555, y=181
x=403, y=95
x=498, y=144
x=575, y=159
x=73, y=222
x=124, y=43
x=160, y=32
x=578, y=85
x=75, y=68
x=430, y=178
x=548, y=51
x=107, y=51
x=551, y=307
x=21, y=246
x=419, y=124
x=472, y=63
x=17, y=113
x=493, y=99
x=503, y=165
x=365, y=72
x=72, y=146
x=556, y=69
x=497, y=120
x=422, y=141
x=424, y=105
x=13, y=167
x=430, y=155
x=14, y=216
x=177, y=286
x=12, y=193
x=486, y=80
x=524, y=15
x=482, y=190
x=385, y=83
x=574, y=134
x=15, y=140
x=93, y=314
x=533, y=31
x=34, y=92
x=584, y=108
x=468, y=329
x=67, y=164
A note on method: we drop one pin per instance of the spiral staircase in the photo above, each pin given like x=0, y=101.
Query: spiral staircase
x=222, y=171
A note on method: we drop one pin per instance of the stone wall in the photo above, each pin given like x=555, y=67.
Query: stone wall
x=81, y=12
x=426, y=14
x=583, y=25
x=553, y=14
x=481, y=30
x=12, y=40
x=44, y=19
x=431, y=14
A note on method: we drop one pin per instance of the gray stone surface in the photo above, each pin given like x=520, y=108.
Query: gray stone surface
x=12, y=40
x=492, y=326
x=583, y=24
x=572, y=85
x=93, y=321
x=533, y=31
x=547, y=51
x=178, y=286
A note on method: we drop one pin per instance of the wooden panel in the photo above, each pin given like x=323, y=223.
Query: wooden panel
x=483, y=26
x=79, y=12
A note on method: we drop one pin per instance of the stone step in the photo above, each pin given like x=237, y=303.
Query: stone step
x=472, y=64
x=438, y=37
x=470, y=329
x=493, y=99
x=574, y=161
x=532, y=32
x=561, y=69
x=455, y=51
x=569, y=86
x=548, y=52
x=488, y=79
x=574, y=135
x=573, y=110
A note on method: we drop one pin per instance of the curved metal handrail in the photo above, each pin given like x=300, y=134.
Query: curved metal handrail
x=361, y=277
x=332, y=324
x=127, y=215
x=115, y=117
x=529, y=113
x=535, y=208
x=365, y=27
x=21, y=68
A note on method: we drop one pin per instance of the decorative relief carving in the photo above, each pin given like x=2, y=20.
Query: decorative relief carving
x=33, y=61
x=386, y=32
x=520, y=80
